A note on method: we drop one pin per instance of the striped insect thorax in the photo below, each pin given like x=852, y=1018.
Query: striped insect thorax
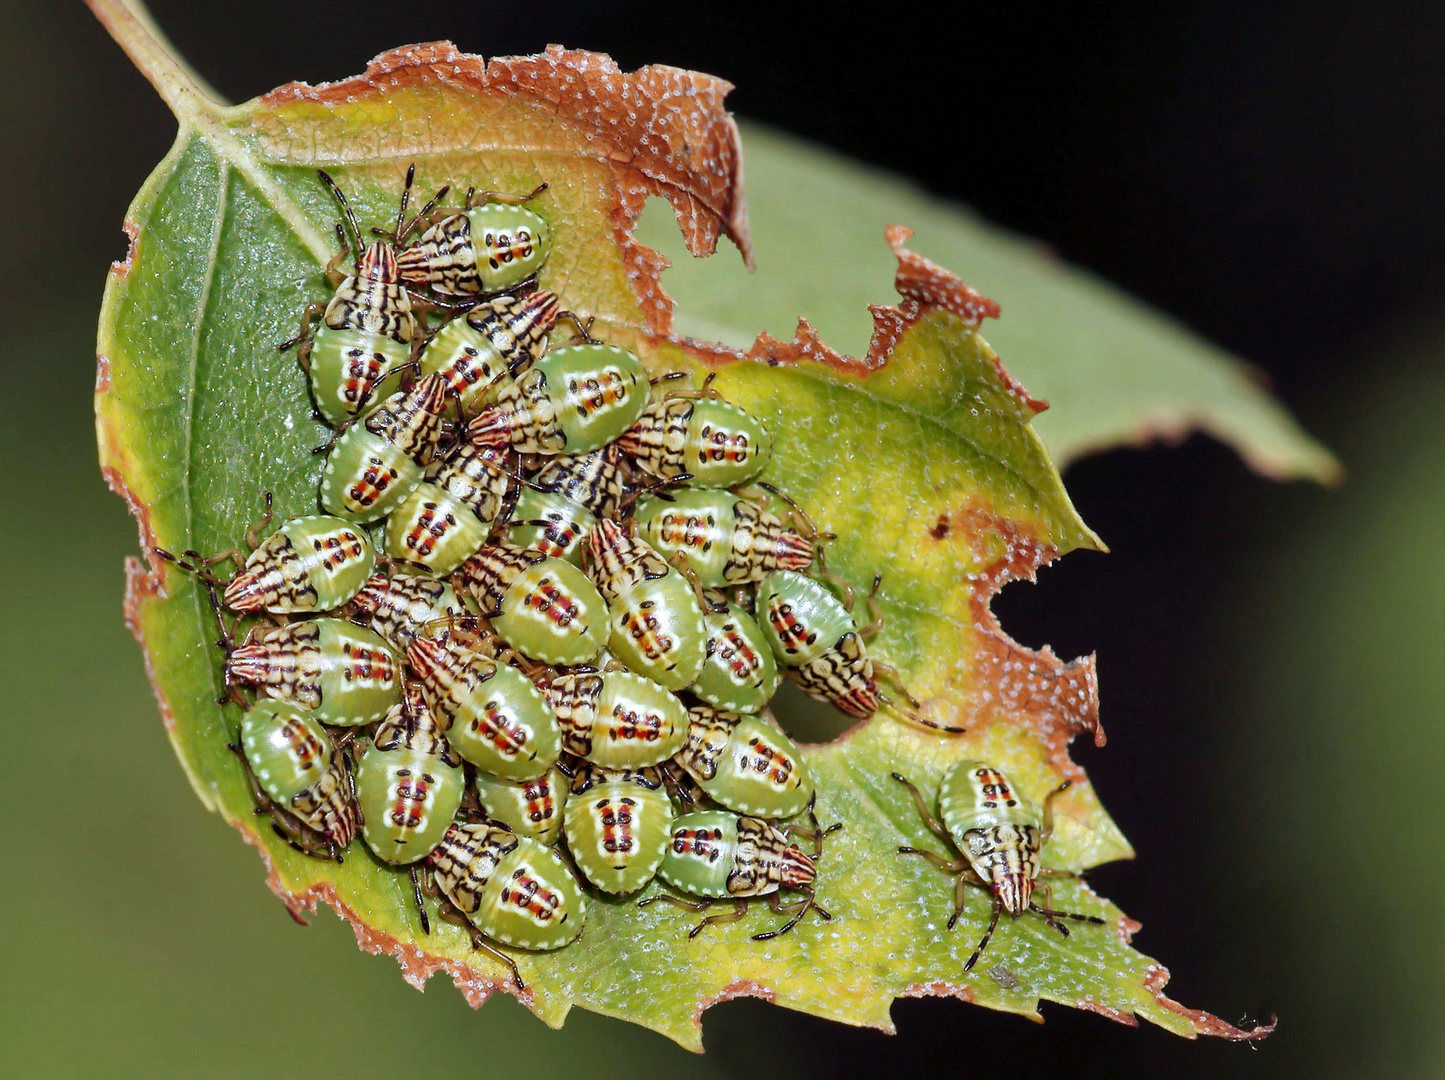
x=766, y=860
x=399, y=606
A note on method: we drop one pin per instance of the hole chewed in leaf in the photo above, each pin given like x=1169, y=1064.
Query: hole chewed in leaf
x=201, y=414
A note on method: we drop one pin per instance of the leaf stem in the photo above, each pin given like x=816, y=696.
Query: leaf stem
x=133, y=29
x=199, y=108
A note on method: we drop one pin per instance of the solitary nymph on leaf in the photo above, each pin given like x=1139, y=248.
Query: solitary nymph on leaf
x=918, y=458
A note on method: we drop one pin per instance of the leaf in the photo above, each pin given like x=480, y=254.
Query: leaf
x=920, y=456
x=1114, y=371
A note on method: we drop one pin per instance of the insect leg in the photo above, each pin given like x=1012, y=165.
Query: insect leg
x=452, y=914
x=796, y=514
x=680, y=561
x=678, y=786
x=677, y=901
x=1050, y=915
x=869, y=632
x=833, y=579
x=953, y=866
x=817, y=832
x=1049, y=810
x=651, y=487
x=416, y=895
x=740, y=908
x=424, y=214
x=475, y=198
x=312, y=312
x=584, y=330
x=254, y=531
x=934, y=825
x=797, y=908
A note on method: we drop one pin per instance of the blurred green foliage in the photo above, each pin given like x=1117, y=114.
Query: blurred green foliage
x=1330, y=766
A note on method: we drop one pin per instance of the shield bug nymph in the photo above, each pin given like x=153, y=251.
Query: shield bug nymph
x=654, y=614
x=493, y=714
x=448, y=516
x=573, y=400
x=617, y=719
x=543, y=607
x=346, y=675
x=814, y=635
x=503, y=887
x=368, y=328
x=717, y=855
x=999, y=833
x=377, y=461
x=299, y=777
x=531, y=808
x=309, y=564
x=493, y=244
x=409, y=783
x=715, y=442
x=745, y=763
x=740, y=672
x=618, y=823
x=727, y=539
x=481, y=352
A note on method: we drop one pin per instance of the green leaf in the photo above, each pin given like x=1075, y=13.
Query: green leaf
x=921, y=456
x=1113, y=370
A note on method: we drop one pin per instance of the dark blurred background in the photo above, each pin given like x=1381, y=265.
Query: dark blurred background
x=1271, y=174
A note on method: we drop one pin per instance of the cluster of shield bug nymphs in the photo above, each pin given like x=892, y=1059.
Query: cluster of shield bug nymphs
x=528, y=647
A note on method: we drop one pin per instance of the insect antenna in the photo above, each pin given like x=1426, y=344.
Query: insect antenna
x=404, y=227
x=1050, y=915
x=983, y=942
x=345, y=209
x=657, y=487
x=473, y=199
x=799, y=514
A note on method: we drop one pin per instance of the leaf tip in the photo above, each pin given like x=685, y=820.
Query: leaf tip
x=1204, y=1023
